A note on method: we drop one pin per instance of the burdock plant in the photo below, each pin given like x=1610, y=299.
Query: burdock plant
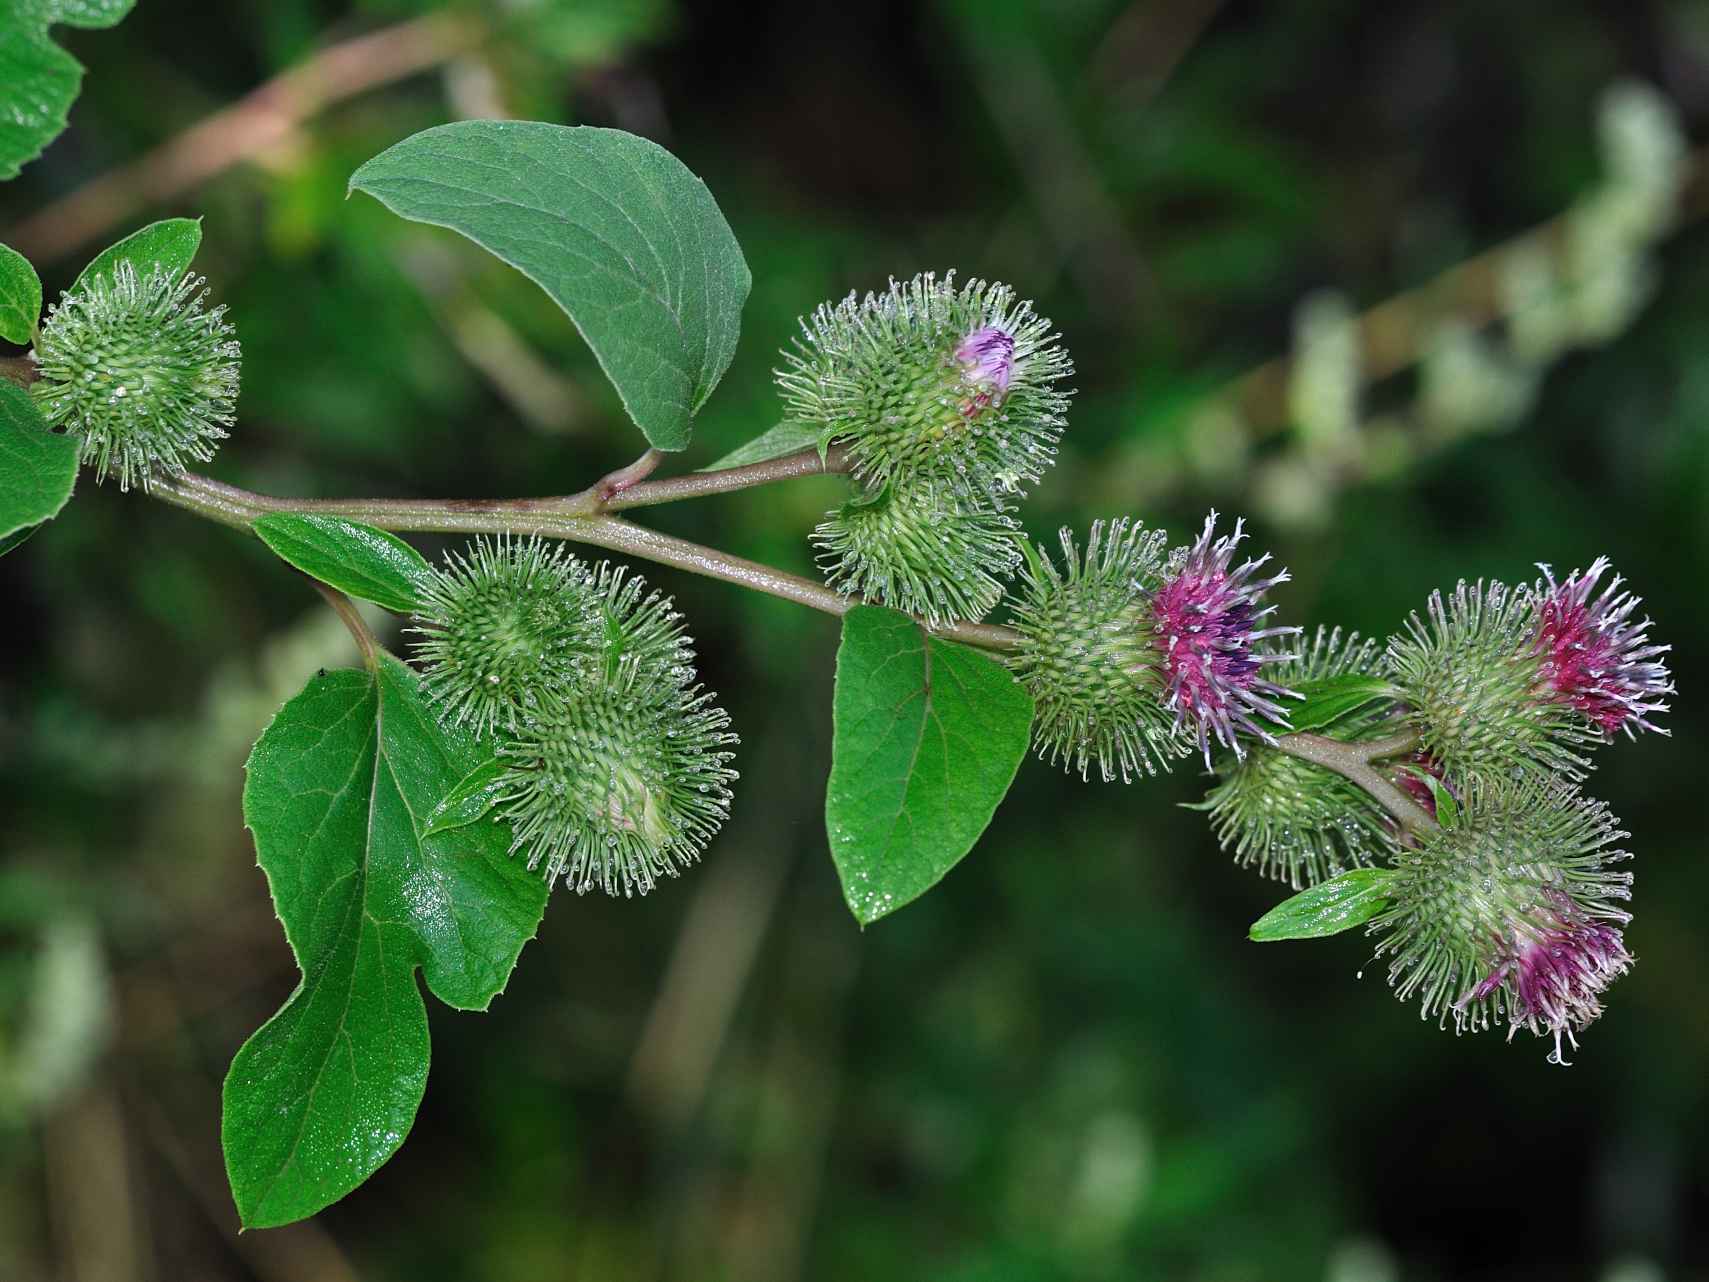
x=555, y=730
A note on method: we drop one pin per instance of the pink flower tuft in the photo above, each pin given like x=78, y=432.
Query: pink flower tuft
x=1594, y=657
x=987, y=357
x=1206, y=621
x=1555, y=971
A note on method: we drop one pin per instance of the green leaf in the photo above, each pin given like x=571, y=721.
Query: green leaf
x=352, y=557
x=1328, y=908
x=469, y=801
x=624, y=238
x=39, y=80
x=927, y=736
x=786, y=438
x=17, y=537
x=38, y=468
x=1331, y=698
x=20, y=297
x=1447, y=805
x=170, y=243
x=338, y=784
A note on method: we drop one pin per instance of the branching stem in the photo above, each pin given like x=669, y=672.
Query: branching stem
x=582, y=518
x=1353, y=761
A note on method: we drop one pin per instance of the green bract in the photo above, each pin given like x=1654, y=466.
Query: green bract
x=918, y=548
x=1291, y=819
x=1086, y=653
x=137, y=369
x=1470, y=675
x=902, y=376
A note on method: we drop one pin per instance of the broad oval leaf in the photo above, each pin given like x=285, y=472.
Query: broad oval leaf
x=170, y=243
x=1328, y=908
x=337, y=789
x=20, y=297
x=1331, y=698
x=39, y=80
x=622, y=236
x=359, y=559
x=927, y=736
x=38, y=468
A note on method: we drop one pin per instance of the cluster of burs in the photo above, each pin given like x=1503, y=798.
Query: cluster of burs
x=1501, y=903
x=1471, y=729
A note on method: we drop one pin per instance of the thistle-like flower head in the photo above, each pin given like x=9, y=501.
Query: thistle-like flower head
x=1087, y=657
x=1206, y=622
x=1554, y=970
x=501, y=624
x=1471, y=671
x=928, y=380
x=1595, y=657
x=1509, y=912
x=135, y=367
x=920, y=548
x=1291, y=819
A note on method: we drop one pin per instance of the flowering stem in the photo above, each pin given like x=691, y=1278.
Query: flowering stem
x=576, y=518
x=699, y=484
x=1353, y=761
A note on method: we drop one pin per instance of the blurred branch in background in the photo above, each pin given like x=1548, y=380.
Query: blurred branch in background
x=1576, y=281
x=250, y=128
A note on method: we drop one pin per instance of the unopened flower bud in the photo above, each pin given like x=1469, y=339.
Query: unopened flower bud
x=1508, y=913
x=500, y=624
x=918, y=548
x=1291, y=819
x=136, y=369
x=614, y=783
x=927, y=381
x=618, y=771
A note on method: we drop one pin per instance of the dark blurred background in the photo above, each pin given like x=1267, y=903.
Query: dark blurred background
x=1066, y=1062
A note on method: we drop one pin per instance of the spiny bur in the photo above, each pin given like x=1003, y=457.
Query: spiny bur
x=138, y=370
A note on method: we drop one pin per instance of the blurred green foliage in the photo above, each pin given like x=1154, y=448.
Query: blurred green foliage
x=1067, y=1061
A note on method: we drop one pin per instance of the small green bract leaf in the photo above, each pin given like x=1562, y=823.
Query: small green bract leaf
x=1329, y=908
x=20, y=297
x=622, y=236
x=1447, y=807
x=170, y=244
x=1331, y=698
x=352, y=557
x=927, y=737
x=39, y=80
x=786, y=438
x=338, y=784
x=37, y=468
x=469, y=801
